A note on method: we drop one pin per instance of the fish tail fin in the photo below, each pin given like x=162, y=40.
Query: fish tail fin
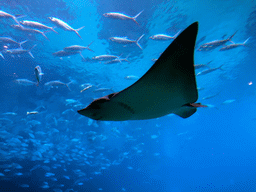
x=16, y=20
x=89, y=46
x=32, y=47
x=208, y=64
x=43, y=33
x=79, y=28
x=52, y=28
x=81, y=55
x=18, y=16
x=135, y=17
x=244, y=43
x=137, y=41
x=126, y=58
x=29, y=52
x=1, y=55
x=22, y=42
x=232, y=36
x=76, y=31
x=78, y=34
x=176, y=34
x=220, y=67
x=68, y=85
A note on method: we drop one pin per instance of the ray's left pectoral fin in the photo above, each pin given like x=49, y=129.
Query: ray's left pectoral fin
x=188, y=109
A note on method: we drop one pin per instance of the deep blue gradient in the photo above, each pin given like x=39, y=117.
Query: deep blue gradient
x=211, y=151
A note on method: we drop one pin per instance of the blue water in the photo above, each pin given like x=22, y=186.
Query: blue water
x=60, y=150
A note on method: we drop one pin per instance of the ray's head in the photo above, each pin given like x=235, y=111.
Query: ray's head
x=95, y=110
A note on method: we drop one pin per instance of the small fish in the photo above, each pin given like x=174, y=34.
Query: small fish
x=18, y=174
x=63, y=53
x=164, y=37
x=29, y=30
x=132, y=77
x=19, y=51
x=38, y=73
x=105, y=57
x=36, y=25
x=116, y=61
x=49, y=174
x=234, y=45
x=154, y=136
x=32, y=112
x=210, y=96
x=88, y=87
x=199, y=66
x=125, y=40
x=209, y=70
x=25, y=82
x=57, y=83
x=199, y=41
x=64, y=25
x=102, y=90
x=24, y=185
x=214, y=44
x=10, y=40
x=77, y=48
x=122, y=16
x=7, y=15
x=45, y=186
x=1, y=55
x=229, y=101
x=9, y=113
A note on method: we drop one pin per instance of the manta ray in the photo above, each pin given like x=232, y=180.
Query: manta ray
x=169, y=86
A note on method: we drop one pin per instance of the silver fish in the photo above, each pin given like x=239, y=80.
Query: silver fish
x=10, y=40
x=63, y=53
x=105, y=57
x=57, y=83
x=38, y=73
x=25, y=82
x=122, y=16
x=209, y=71
x=125, y=40
x=19, y=51
x=214, y=44
x=7, y=15
x=78, y=48
x=164, y=37
x=36, y=25
x=234, y=45
x=64, y=25
x=29, y=30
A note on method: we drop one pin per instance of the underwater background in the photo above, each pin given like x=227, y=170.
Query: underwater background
x=45, y=145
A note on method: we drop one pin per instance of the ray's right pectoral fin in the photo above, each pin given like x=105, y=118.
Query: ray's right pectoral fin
x=185, y=111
